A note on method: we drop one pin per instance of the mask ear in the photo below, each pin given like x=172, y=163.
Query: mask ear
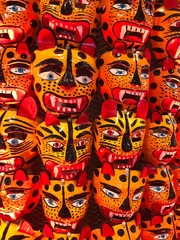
x=120, y=48
x=51, y=119
x=82, y=180
x=109, y=109
x=46, y=39
x=107, y=169
x=156, y=220
x=20, y=175
x=89, y=46
x=25, y=227
x=85, y=233
x=28, y=108
x=156, y=117
x=48, y=232
x=107, y=230
x=45, y=178
x=22, y=48
x=168, y=64
x=142, y=109
x=82, y=119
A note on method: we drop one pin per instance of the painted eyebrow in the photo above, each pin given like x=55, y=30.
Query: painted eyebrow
x=160, y=128
x=60, y=131
x=160, y=231
x=138, y=128
x=16, y=128
x=48, y=61
x=84, y=64
x=119, y=62
x=83, y=133
x=111, y=188
x=78, y=196
x=55, y=136
x=18, y=120
x=19, y=61
x=171, y=16
x=50, y=196
x=138, y=190
x=123, y=1
x=157, y=183
x=111, y=126
x=17, y=190
x=81, y=127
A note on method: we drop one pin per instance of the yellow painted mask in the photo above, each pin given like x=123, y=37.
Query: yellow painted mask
x=65, y=203
x=18, y=145
x=124, y=77
x=19, y=194
x=65, y=148
x=19, y=21
x=160, y=144
x=16, y=78
x=118, y=196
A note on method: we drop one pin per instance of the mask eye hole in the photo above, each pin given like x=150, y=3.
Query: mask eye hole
x=50, y=202
x=79, y=202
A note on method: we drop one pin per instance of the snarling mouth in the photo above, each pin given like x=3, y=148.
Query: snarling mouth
x=171, y=105
x=163, y=209
x=60, y=227
x=11, y=95
x=64, y=171
x=10, y=164
x=75, y=31
x=65, y=105
x=9, y=34
x=116, y=217
x=128, y=96
x=131, y=32
x=173, y=48
x=118, y=161
x=164, y=156
x=9, y=216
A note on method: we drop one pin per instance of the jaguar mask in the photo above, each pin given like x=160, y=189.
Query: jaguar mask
x=65, y=79
x=160, y=144
x=119, y=138
x=65, y=148
x=19, y=21
x=176, y=173
x=119, y=195
x=19, y=194
x=124, y=77
x=65, y=203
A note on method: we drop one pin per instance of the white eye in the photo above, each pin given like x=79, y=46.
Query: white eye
x=81, y=143
x=20, y=70
x=162, y=236
x=118, y=71
x=137, y=196
x=110, y=193
x=111, y=133
x=175, y=24
x=79, y=202
x=84, y=80
x=83, y=2
x=55, y=144
x=122, y=6
x=144, y=75
x=172, y=85
x=157, y=189
x=159, y=135
x=15, y=196
x=51, y=203
x=15, y=9
x=14, y=141
x=49, y=75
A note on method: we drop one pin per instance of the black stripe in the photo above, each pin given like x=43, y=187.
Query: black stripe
x=18, y=120
x=59, y=130
x=5, y=232
x=47, y=130
x=121, y=123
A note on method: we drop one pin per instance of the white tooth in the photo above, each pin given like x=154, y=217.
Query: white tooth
x=11, y=34
x=162, y=155
x=69, y=109
x=145, y=35
x=110, y=158
x=53, y=100
x=177, y=52
x=65, y=100
x=80, y=30
x=121, y=95
x=123, y=31
x=71, y=176
x=74, y=225
x=79, y=100
x=14, y=93
x=52, y=224
x=12, y=215
x=56, y=171
x=133, y=29
x=64, y=109
x=51, y=25
x=111, y=215
x=83, y=166
x=173, y=102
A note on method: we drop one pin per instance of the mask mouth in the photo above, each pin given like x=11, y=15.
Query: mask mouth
x=165, y=209
x=9, y=216
x=11, y=95
x=61, y=227
x=171, y=105
x=9, y=34
x=164, y=156
x=10, y=164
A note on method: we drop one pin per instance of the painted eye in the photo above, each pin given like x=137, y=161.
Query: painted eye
x=144, y=75
x=49, y=75
x=84, y=80
x=175, y=26
x=110, y=193
x=157, y=189
x=122, y=6
x=83, y=2
x=137, y=196
x=172, y=85
x=162, y=236
x=111, y=133
x=20, y=70
x=136, y=136
x=15, y=9
x=15, y=196
x=79, y=203
x=81, y=143
x=118, y=71
x=160, y=135
x=14, y=141
x=55, y=144
x=51, y=203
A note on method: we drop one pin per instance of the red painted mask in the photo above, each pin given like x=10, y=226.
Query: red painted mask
x=124, y=77
x=160, y=143
x=177, y=184
x=159, y=193
x=19, y=194
x=19, y=21
x=129, y=21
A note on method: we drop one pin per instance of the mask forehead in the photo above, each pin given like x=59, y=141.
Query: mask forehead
x=124, y=77
x=65, y=80
x=19, y=21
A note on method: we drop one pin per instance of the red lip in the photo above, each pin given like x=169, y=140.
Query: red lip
x=10, y=164
x=75, y=31
x=9, y=34
x=11, y=95
x=171, y=105
x=131, y=32
x=164, y=156
x=173, y=48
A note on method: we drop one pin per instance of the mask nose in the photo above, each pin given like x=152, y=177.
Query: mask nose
x=66, y=8
x=125, y=205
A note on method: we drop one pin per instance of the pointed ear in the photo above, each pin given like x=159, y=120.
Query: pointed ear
x=109, y=109
x=107, y=169
x=51, y=119
x=120, y=48
x=44, y=178
x=82, y=180
x=156, y=220
x=48, y=232
x=20, y=174
x=144, y=172
x=22, y=48
x=107, y=230
x=142, y=109
x=83, y=119
x=151, y=169
x=168, y=64
x=85, y=233
x=46, y=39
x=28, y=108
x=156, y=117
x=25, y=227
x=89, y=46
x=170, y=4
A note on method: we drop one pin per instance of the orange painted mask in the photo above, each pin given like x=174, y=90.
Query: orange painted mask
x=65, y=203
x=177, y=184
x=165, y=34
x=119, y=137
x=126, y=230
x=19, y=21
x=65, y=79
x=118, y=196
x=160, y=144
x=16, y=79
x=164, y=92
x=17, y=133
x=22, y=231
x=65, y=148
x=19, y=194
x=124, y=77
x=177, y=212
x=159, y=195
x=72, y=20
x=159, y=228
x=128, y=21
